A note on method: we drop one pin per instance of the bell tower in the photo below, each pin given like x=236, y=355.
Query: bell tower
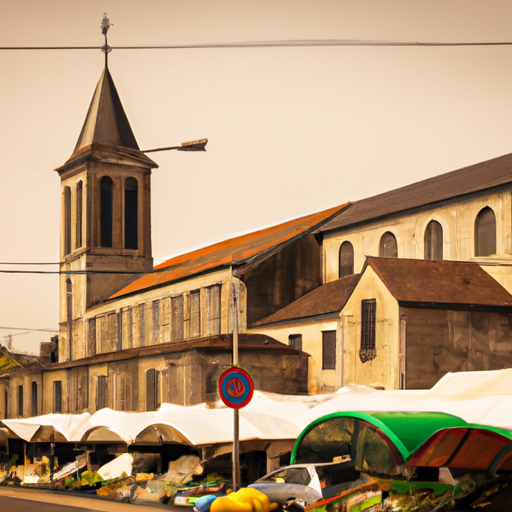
x=105, y=223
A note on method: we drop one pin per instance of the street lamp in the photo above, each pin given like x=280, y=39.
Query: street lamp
x=193, y=145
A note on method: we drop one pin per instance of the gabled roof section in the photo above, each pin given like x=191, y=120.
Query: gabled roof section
x=326, y=299
x=439, y=282
x=238, y=251
x=106, y=121
x=475, y=178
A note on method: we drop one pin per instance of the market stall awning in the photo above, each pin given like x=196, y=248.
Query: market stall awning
x=347, y=434
x=49, y=427
x=473, y=447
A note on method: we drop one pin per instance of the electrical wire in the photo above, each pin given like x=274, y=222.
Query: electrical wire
x=24, y=263
x=73, y=272
x=272, y=44
x=27, y=329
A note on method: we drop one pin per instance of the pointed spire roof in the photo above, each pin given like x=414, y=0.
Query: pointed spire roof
x=106, y=121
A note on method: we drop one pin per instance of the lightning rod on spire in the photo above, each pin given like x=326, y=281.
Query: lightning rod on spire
x=105, y=25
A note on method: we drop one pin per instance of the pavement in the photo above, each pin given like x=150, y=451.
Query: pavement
x=80, y=500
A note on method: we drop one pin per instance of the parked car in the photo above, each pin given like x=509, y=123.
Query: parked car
x=309, y=483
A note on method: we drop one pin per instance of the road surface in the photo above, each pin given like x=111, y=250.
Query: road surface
x=18, y=499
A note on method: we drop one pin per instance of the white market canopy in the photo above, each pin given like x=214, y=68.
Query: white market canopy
x=477, y=397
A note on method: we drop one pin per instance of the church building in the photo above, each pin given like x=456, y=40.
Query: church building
x=133, y=335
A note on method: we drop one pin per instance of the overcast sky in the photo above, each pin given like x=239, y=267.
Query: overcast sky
x=290, y=130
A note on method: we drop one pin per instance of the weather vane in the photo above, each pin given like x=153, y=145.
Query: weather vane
x=105, y=25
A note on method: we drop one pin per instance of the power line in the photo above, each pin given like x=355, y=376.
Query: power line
x=72, y=272
x=25, y=263
x=28, y=329
x=273, y=44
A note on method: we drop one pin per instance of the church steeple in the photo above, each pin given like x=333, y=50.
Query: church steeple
x=106, y=222
x=106, y=121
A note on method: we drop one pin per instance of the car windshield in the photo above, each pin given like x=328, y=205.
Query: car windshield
x=299, y=476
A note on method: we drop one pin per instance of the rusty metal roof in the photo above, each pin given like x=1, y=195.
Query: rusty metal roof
x=468, y=180
x=106, y=121
x=326, y=299
x=238, y=251
x=439, y=282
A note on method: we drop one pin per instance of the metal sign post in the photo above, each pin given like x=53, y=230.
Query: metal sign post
x=236, y=416
x=236, y=389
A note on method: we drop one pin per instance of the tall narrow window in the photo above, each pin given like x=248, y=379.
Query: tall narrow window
x=213, y=308
x=106, y=205
x=142, y=325
x=6, y=404
x=152, y=390
x=295, y=341
x=485, y=233
x=79, y=213
x=57, y=396
x=388, y=246
x=67, y=220
x=101, y=392
x=329, y=350
x=433, y=241
x=195, y=314
x=177, y=317
x=20, y=401
x=368, y=349
x=346, y=259
x=156, y=322
x=91, y=337
x=131, y=215
x=34, y=399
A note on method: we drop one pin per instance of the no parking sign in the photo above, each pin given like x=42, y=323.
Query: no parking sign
x=236, y=387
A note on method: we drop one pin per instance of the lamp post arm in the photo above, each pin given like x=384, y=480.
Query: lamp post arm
x=195, y=145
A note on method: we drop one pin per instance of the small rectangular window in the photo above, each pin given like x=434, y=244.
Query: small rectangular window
x=152, y=390
x=213, y=308
x=295, y=341
x=119, y=337
x=156, y=321
x=91, y=337
x=101, y=392
x=20, y=401
x=195, y=314
x=57, y=397
x=34, y=399
x=177, y=317
x=368, y=329
x=329, y=350
x=6, y=404
x=142, y=325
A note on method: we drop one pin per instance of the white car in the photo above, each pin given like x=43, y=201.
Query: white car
x=309, y=483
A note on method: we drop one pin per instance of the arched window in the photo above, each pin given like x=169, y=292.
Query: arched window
x=388, y=246
x=433, y=241
x=67, y=220
x=130, y=214
x=106, y=200
x=79, y=209
x=346, y=259
x=485, y=233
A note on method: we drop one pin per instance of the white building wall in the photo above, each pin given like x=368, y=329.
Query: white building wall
x=457, y=218
x=319, y=380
